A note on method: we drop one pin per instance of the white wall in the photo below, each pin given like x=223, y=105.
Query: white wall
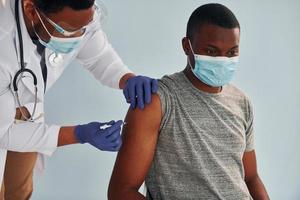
x=147, y=35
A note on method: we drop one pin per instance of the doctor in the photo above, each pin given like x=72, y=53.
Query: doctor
x=38, y=39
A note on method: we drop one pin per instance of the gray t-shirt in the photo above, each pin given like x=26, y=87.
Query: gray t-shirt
x=201, y=143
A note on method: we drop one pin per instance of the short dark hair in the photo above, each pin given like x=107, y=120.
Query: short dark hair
x=53, y=6
x=213, y=13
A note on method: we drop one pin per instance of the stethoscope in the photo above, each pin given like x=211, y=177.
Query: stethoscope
x=23, y=69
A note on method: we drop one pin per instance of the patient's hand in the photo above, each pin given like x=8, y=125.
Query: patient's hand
x=19, y=115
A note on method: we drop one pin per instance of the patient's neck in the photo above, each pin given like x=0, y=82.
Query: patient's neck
x=199, y=84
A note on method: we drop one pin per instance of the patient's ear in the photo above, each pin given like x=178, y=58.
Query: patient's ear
x=186, y=46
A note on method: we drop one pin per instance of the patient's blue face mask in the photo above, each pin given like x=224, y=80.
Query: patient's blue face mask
x=214, y=71
x=56, y=44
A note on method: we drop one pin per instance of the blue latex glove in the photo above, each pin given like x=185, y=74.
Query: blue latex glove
x=138, y=91
x=105, y=139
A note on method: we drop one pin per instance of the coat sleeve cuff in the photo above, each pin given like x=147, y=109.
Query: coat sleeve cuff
x=53, y=132
x=118, y=76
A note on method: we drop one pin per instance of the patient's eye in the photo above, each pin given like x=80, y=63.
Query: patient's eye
x=211, y=52
x=233, y=52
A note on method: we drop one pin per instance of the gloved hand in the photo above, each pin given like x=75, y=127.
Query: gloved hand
x=138, y=90
x=105, y=139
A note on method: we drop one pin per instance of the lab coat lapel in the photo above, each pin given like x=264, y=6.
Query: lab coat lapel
x=30, y=63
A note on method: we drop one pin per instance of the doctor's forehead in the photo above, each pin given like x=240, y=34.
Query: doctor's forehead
x=210, y=34
x=74, y=18
x=76, y=13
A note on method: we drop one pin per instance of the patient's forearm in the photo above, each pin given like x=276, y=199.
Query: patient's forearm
x=257, y=189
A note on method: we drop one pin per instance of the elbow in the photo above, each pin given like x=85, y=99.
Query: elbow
x=118, y=192
x=114, y=191
x=111, y=193
x=252, y=178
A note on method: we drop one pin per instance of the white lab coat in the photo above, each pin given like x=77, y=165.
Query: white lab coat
x=95, y=54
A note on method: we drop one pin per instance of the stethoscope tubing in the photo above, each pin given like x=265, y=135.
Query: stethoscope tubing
x=23, y=68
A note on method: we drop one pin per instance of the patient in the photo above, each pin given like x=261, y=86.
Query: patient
x=195, y=140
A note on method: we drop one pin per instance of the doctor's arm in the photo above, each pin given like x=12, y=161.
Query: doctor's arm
x=140, y=136
x=99, y=58
x=252, y=179
x=22, y=137
x=43, y=138
x=66, y=135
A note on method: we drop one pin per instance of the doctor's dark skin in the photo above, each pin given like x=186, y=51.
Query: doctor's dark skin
x=210, y=40
x=70, y=20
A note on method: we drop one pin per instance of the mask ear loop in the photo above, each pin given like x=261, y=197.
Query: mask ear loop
x=44, y=26
x=189, y=62
x=35, y=31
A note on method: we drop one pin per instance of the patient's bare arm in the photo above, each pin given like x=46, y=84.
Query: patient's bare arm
x=252, y=179
x=135, y=157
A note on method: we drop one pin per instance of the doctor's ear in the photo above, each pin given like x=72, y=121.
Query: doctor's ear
x=29, y=9
x=186, y=46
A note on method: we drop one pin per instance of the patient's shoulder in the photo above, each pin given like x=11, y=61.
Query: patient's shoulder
x=169, y=83
x=149, y=116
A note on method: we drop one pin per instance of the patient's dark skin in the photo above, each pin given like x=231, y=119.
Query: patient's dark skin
x=141, y=132
x=211, y=40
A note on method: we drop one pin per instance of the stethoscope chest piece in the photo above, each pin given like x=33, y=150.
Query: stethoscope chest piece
x=55, y=59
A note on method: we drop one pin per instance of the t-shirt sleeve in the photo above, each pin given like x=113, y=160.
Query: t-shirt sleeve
x=249, y=128
x=165, y=101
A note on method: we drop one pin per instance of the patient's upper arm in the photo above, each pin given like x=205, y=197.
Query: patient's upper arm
x=140, y=136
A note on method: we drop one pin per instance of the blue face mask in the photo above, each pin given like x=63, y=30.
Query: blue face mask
x=56, y=44
x=214, y=71
x=61, y=45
